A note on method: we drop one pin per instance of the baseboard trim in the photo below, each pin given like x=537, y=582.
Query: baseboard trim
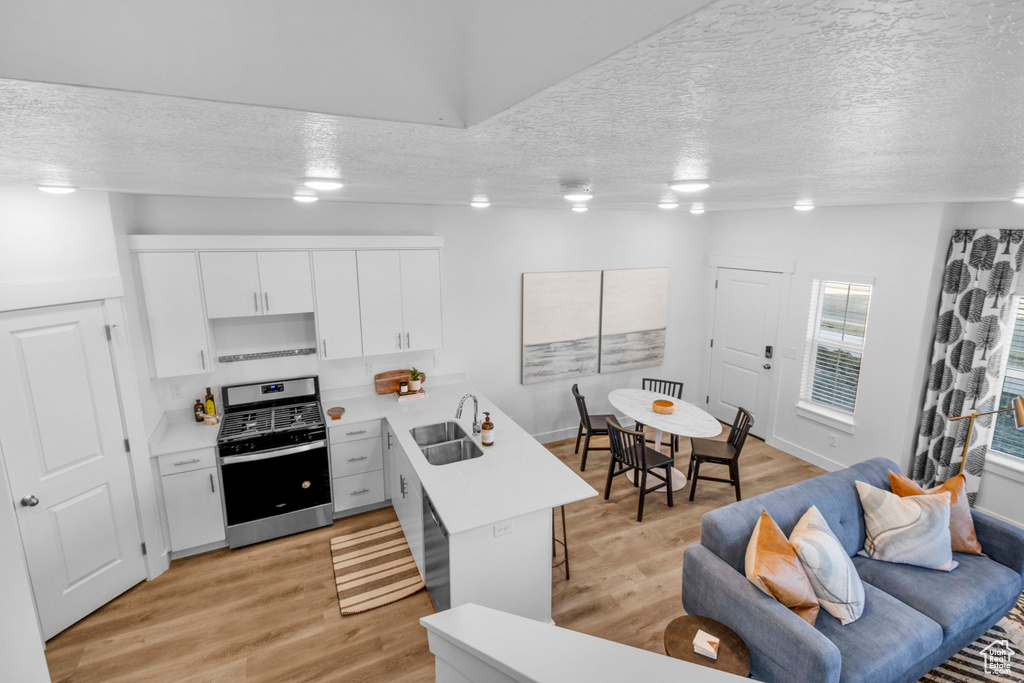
x=1001, y=518
x=570, y=432
x=804, y=454
x=199, y=549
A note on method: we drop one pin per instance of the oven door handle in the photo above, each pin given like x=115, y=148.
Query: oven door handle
x=233, y=459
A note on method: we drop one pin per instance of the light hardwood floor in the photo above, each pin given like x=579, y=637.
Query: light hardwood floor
x=269, y=612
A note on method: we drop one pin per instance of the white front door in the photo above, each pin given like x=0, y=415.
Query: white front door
x=63, y=447
x=745, y=325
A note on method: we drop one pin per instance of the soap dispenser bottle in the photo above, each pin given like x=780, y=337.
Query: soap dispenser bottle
x=487, y=431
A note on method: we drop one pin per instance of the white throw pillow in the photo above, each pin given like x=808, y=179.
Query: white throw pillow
x=909, y=530
x=833, y=577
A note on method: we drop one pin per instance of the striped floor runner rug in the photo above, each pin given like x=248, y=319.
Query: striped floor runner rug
x=970, y=664
x=373, y=568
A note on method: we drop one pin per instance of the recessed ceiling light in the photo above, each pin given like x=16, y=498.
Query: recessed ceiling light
x=323, y=183
x=479, y=203
x=577, y=193
x=579, y=208
x=805, y=206
x=697, y=209
x=668, y=205
x=305, y=198
x=1018, y=200
x=57, y=189
x=689, y=185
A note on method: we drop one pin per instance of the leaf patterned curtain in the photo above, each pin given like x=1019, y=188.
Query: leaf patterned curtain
x=972, y=336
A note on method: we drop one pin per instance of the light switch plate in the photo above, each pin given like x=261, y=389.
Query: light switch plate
x=369, y=368
x=503, y=528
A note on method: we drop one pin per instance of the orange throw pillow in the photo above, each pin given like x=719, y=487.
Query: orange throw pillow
x=774, y=567
x=961, y=524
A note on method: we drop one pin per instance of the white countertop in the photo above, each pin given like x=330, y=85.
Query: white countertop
x=515, y=476
x=178, y=432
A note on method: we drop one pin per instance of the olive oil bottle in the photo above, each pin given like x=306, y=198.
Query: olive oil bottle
x=211, y=408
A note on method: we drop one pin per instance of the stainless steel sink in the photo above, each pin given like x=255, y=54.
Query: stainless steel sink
x=452, y=451
x=428, y=435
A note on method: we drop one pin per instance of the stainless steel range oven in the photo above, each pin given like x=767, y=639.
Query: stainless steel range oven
x=274, y=462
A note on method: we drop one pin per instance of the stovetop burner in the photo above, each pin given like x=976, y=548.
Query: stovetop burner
x=248, y=424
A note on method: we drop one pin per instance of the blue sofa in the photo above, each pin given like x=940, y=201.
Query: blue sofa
x=914, y=619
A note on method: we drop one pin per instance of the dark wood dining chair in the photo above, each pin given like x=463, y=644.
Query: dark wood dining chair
x=663, y=386
x=630, y=452
x=590, y=426
x=721, y=453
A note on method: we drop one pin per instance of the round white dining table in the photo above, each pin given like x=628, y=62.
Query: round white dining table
x=687, y=420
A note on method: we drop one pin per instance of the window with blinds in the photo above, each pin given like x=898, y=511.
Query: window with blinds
x=836, y=329
x=1006, y=439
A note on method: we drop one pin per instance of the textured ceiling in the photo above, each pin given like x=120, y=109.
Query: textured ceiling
x=840, y=102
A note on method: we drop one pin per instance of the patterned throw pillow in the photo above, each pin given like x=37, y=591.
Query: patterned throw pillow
x=912, y=530
x=961, y=523
x=833, y=577
x=773, y=566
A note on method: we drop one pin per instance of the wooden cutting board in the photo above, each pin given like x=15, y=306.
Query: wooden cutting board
x=387, y=382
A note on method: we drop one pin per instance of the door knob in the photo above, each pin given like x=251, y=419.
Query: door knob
x=29, y=501
x=767, y=366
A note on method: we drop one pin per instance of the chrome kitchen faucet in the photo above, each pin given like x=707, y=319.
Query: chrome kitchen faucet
x=476, y=410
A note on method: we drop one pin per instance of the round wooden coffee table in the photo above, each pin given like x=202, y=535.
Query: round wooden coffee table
x=733, y=655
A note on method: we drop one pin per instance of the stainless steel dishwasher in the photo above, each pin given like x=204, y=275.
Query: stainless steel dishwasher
x=435, y=556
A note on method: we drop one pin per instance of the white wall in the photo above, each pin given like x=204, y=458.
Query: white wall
x=901, y=248
x=483, y=259
x=55, y=248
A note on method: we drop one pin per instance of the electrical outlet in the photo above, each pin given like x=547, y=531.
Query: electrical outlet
x=833, y=440
x=437, y=360
x=369, y=368
x=176, y=391
x=503, y=528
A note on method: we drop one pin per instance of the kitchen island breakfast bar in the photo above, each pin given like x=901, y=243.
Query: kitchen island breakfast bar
x=479, y=523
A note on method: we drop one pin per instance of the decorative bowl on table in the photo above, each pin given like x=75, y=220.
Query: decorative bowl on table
x=663, y=407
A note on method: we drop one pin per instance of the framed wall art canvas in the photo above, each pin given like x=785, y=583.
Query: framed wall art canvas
x=634, y=313
x=561, y=325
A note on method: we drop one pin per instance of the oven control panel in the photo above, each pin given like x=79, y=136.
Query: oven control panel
x=272, y=388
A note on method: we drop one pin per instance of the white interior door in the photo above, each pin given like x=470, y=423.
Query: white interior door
x=380, y=301
x=231, y=284
x=286, y=282
x=745, y=325
x=337, y=304
x=421, y=298
x=63, y=447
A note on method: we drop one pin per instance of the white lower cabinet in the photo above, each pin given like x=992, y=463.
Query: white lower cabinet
x=357, y=466
x=195, y=514
x=407, y=500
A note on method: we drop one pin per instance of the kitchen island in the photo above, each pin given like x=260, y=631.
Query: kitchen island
x=495, y=509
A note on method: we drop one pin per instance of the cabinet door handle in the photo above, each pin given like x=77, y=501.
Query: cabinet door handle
x=202, y=358
x=399, y=340
x=389, y=439
x=212, y=490
x=401, y=484
x=360, y=491
x=358, y=459
x=361, y=431
x=256, y=301
x=186, y=462
x=266, y=298
x=408, y=344
x=325, y=348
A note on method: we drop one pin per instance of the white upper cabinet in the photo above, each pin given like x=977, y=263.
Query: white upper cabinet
x=174, y=307
x=380, y=302
x=231, y=284
x=337, y=304
x=286, y=282
x=421, y=298
x=238, y=284
x=400, y=300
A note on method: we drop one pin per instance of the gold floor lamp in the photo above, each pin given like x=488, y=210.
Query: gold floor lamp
x=1017, y=406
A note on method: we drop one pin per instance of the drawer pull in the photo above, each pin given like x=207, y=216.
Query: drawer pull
x=186, y=462
x=358, y=459
x=361, y=431
x=360, y=491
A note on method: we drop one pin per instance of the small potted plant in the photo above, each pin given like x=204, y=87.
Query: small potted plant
x=415, y=380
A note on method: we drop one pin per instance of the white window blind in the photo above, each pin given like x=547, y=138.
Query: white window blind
x=836, y=328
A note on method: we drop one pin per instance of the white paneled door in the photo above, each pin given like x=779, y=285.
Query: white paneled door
x=63, y=447
x=743, y=344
